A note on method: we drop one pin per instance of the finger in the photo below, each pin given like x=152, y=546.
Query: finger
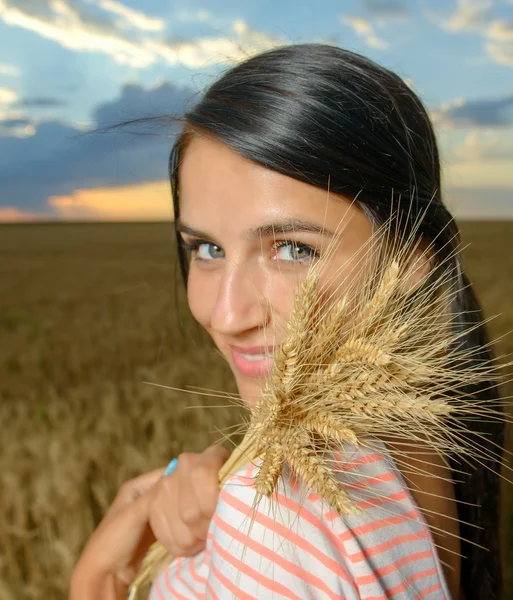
x=183, y=541
x=135, y=515
x=132, y=489
x=122, y=537
x=205, y=480
x=146, y=539
x=201, y=527
x=188, y=510
x=173, y=533
x=191, y=515
x=147, y=480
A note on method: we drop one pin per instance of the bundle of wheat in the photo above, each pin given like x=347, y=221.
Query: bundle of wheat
x=381, y=360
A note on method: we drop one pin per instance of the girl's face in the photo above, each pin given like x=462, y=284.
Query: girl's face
x=252, y=235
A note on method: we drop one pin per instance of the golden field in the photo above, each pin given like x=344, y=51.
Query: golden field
x=90, y=316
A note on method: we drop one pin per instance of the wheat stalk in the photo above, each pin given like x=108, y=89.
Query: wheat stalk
x=354, y=367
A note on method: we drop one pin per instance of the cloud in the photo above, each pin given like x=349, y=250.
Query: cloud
x=7, y=96
x=480, y=203
x=470, y=15
x=11, y=70
x=380, y=12
x=496, y=112
x=193, y=16
x=481, y=145
x=12, y=214
x=479, y=184
x=72, y=27
x=491, y=173
x=59, y=159
x=19, y=127
x=365, y=30
x=40, y=102
x=141, y=202
x=501, y=53
x=476, y=16
x=136, y=102
x=14, y=122
x=500, y=41
x=201, y=52
x=501, y=31
x=387, y=9
x=131, y=17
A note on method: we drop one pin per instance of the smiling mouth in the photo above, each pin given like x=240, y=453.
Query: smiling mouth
x=255, y=357
x=252, y=362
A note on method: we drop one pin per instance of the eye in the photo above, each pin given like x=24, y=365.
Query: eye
x=208, y=251
x=290, y=251
x=203, y=250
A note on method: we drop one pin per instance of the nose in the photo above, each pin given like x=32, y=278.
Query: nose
x=241, y=304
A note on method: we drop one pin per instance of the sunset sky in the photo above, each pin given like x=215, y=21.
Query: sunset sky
x=70, y=66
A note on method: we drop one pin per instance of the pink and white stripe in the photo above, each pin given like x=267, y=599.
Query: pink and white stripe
x=294, y=546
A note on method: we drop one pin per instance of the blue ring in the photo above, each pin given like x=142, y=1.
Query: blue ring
x=171, y=467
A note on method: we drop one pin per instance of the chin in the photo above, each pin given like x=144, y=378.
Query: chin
x=249, y=391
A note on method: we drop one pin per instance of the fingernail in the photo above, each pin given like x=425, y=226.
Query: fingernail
x=171, y=467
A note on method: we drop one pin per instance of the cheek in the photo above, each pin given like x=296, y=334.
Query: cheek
x=345, y=274
x=341, y=275
x=201, y=296
x=280, y=292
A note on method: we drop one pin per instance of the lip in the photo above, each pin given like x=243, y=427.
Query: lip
x=252, y=367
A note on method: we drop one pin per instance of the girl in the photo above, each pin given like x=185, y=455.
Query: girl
x=250, y=177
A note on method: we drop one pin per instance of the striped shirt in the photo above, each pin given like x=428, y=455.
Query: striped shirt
x=295, y=546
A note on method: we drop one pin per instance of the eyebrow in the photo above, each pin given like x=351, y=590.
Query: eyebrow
x=265, y=230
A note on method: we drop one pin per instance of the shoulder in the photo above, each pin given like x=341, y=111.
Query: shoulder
x=294, y=545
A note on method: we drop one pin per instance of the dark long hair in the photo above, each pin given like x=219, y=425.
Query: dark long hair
x=322, y=114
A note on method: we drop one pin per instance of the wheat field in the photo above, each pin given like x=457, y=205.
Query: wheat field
x=90, y=316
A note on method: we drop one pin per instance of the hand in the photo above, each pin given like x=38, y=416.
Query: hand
x=175, y=510
x=183, y=505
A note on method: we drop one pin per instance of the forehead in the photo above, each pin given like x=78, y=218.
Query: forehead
x=220, y=189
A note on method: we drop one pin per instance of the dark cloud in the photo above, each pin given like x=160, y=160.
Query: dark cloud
x=8, y=123
x=480, y=113
x=60, y=158
x=136, y=102
x=40, y=102
x=387, y=9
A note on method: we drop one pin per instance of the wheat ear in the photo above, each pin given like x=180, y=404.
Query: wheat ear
x=361, y=363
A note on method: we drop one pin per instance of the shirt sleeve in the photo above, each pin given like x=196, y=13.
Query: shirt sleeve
x=279, y=548
x=294, y=546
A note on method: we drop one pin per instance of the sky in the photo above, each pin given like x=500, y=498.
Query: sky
x=68, y=67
